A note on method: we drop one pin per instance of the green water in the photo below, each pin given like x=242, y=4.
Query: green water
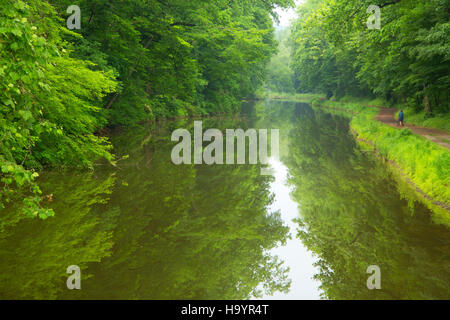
x=148, y=229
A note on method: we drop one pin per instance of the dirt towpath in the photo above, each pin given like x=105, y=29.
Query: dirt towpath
x=387, y=116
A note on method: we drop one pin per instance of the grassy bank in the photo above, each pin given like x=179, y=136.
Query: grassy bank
x=424, y=163
x=412, y=116
x=300, y=97
x=439, y=121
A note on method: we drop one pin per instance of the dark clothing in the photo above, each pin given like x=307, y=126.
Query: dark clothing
x=400, y=116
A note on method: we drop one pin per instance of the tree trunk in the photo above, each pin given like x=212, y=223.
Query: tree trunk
x=426, y=101
x=427, y=104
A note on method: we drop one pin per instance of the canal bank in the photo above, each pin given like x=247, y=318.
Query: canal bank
x=423, y=164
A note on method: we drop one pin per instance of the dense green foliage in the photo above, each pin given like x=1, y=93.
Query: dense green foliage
x=131, y=61
x=177, y=57
x=406, y=61
x=49, y=101
x=280, y=77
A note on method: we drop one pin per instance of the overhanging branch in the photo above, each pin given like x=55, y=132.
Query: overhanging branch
x=389, y=3
x=184, y=24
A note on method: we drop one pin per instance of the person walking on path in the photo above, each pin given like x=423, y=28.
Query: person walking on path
x=400, y=118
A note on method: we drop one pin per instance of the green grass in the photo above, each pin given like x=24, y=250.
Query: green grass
x=436, y=121
x=365, y=101
x=302, y=97
x=424, y=162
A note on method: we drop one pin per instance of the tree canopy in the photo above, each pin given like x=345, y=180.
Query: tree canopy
x=406, y=60
x=131, y=61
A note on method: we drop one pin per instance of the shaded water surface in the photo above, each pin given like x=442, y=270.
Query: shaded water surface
x=149, y=229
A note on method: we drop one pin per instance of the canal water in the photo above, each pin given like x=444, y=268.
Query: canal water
x=149, y=229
